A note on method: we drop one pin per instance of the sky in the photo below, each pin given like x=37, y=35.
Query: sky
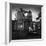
x=35, y=11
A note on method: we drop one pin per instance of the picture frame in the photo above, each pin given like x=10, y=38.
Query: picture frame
x=8, y=33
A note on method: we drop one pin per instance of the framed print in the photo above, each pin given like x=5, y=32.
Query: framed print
x=24, y=21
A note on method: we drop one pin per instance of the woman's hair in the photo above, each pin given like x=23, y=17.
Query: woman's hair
x=21, y=9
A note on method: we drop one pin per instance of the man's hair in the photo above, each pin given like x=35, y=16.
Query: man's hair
x=30, y=11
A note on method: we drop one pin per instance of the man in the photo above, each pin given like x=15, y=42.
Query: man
x=28, y=21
